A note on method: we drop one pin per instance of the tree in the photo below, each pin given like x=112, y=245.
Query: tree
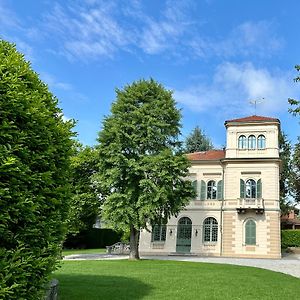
x=197, y=141
x=295, y=109
x=141, y=172
x=85, y=203
x=35, y=149
x=285, y=149
x=295, y=180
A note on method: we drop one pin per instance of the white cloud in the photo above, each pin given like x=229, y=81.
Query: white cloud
x=54, y=83
x=234, y=85
x=247, y=39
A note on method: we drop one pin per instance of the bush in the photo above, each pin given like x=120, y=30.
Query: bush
x=290, y=238
x=93, y=238
x=35, y=147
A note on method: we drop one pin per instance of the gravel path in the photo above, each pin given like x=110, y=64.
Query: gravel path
x=289, y=264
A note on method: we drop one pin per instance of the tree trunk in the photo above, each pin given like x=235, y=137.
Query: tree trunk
x=134, y=243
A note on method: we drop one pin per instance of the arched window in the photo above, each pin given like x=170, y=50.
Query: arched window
x=210, y=230
x=261, y=142
x=242, y=142
x=250, y=232
x=250, y=188
x=211, y=190
x=251, y=142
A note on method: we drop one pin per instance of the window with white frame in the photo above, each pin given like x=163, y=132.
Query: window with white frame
x=211, y=190
x=251, y=142
x=261, y=142
x=250, y=232
x=210, y=230
x=250, y=188
x=242, y=142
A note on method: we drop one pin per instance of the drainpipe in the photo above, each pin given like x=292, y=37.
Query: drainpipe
x=222, y=205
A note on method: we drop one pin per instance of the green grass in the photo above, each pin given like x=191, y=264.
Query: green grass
x=146, y=279
x=82, y=251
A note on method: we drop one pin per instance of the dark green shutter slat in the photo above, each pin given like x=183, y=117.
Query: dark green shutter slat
x=250, y=232
x=220, y=190
x=194, y=184
x=203, y=190
x=259, y=188
x=242, y=188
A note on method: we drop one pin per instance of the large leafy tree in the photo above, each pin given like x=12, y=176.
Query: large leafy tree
x=197, y=141
x=295, y=170
x=85, y=203
x=35, y=149
x=141, y=173
x=286, y=174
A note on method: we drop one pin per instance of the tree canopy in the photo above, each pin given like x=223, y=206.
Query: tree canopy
x=85, y=203
x=197, y=141
x=35, y=149
x=141, y=172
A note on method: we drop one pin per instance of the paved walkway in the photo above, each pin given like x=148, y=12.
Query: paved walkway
x=289, y=264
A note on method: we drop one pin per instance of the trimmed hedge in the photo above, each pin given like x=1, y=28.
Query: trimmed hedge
x=93, y=238
x=290, y=238
x=35, y=150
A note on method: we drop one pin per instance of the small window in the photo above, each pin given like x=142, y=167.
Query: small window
x=242, y=142
x=250, y=188
x=251, y=142
x=250, y=232
x=261, y=142
x=211, y=190
x=159, y=233
x=210, y=230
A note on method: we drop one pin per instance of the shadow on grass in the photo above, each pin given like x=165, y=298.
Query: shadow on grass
x=90, y=287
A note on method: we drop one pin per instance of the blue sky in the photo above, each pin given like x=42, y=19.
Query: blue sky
x=215, y=55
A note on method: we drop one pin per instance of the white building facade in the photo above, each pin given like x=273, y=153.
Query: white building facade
x=236, y=211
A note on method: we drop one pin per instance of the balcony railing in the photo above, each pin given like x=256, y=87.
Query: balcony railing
x=254, y=204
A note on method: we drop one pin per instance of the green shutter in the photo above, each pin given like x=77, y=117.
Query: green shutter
x=194, y=184
x=242, y=188
x=258, y=189
x=203, y=190
x=220, y=190
x=250, y=233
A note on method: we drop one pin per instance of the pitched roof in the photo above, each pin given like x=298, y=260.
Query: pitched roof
x=207, y=155
x=253, y=118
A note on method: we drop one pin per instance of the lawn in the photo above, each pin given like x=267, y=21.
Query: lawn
x=146, y=279
x=82, y=251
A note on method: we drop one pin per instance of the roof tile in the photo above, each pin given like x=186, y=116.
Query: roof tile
x=207, y=155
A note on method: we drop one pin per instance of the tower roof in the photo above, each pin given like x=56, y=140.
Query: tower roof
x=253, y=119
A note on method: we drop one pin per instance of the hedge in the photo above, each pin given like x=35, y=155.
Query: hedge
x=290, y=238
x=93, y=238
x=35, y=150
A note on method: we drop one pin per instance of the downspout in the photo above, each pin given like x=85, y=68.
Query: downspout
x=222, y=205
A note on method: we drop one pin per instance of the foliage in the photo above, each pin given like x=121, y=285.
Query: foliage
x=285, y=149
x=141, y=173
x=85, y=204
x=160, y=280
x=290, y=238
x=295, y=110
x=35, y=146
x=197, y=141
x=93, y=238
x=295, y=179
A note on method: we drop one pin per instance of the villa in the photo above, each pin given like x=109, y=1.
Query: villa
x=236, y=211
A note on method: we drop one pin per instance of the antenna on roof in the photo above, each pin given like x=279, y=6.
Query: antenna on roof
x=255, y=102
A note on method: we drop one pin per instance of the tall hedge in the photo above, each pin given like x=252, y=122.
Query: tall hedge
x=35, y=146
x=290, y=238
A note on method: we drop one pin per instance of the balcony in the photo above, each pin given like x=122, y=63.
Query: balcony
x=250, y=204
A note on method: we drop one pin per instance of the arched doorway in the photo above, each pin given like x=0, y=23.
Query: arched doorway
x=184, y=235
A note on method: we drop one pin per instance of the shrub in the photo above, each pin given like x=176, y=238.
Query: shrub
x=93, y=238
x=290, y=238
x=35, y=146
